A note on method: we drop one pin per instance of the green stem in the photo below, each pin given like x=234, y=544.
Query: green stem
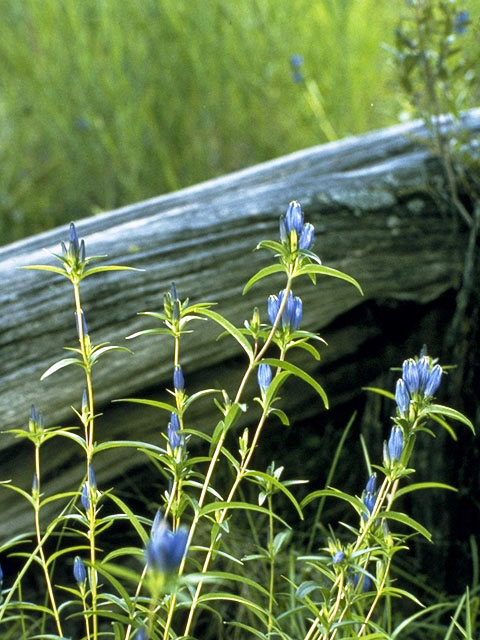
x=40, y=543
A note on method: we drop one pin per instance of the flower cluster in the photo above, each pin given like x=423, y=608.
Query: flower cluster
x=292, y=312
x=74, y=256
x=166, y=548
x=293, y=231
x=419, y=382
x=369, y=495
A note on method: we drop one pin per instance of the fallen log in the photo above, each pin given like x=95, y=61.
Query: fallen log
x=372, y=201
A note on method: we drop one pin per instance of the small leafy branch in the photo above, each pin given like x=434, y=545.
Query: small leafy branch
x=183, y=568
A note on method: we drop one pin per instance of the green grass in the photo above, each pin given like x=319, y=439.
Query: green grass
x=106, y=102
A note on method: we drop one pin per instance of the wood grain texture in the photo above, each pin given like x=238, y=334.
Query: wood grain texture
x=371, y=200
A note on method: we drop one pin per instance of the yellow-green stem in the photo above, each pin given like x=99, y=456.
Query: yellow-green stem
x=40, y=544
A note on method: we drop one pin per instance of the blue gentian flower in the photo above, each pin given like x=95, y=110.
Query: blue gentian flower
x=338, y=556
x=294, y=218
x=410, y=375
x=79, y=571
x=306, y=236
x=174, y=438
x=423, y=368
x=371, y=484
x=461, y=22
x=264, y=377
x=166, y=548
x=84, y=497
x=395, y=443
x=366, y=582
x=273, y=305
x=433, y=382
x=296, y=60
x=178, y=379
x=402, y=397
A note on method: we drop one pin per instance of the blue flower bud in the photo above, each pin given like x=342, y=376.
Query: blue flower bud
x=84, y=497
x=297, y=313
x=84, y=324
x=296, y=60
x=74, y=243
x=371, y=484
x=174, y=438
x=338, y=556
x=461, y=22
x=410, y=375
x=166, y=548
x=306, y=237
x=289, y=309
x=264, y=377
x=79, y=571
x=84, y=401
x=294, y=218
x=369, y=501
x=273, y=305
x=141, y=635
x=402, y=397
x=92, y=480
x=283, y=231
x=423, y=368
x=173, y=292
x=433, y=381
x=395, y=443
x=178, y=380
x=366, y=582
x=1, y=574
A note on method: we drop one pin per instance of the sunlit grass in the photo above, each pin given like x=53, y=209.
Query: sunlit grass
x=105, y=103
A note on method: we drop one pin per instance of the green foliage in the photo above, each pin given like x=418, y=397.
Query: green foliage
x=104, y=103
x=226, y=546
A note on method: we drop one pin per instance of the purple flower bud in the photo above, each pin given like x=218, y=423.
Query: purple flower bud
x=338, y=556
x=264, y=377
x=79, y=571
x=174, y=438
x=306, y=237
x=395, y=443
x=166, y=548
x=294, y=218
x=402, y=397
x=273, y=305
x=410, y=375
x=433, y=381
x=178, y=379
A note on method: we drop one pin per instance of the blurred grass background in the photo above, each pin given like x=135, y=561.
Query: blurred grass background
x=107, y=102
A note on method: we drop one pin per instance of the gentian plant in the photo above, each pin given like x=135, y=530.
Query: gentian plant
x=183, y=573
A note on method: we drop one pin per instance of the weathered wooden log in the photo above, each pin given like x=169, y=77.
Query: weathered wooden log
x=372, y=201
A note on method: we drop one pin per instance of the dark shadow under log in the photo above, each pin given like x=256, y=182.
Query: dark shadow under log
x=374, y=202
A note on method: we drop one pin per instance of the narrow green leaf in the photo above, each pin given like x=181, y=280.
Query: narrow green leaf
x=300, y=373
x=151, y=403
x=381, y=392
x=328, y=271
x=408, y=521
x=111, y=267
x=44, y=267
x=451, y=413
x=424, y=485
x=356, y=503
x=232, y=330
x=278, y=485
x=131, y=516
x=99, y=352
x=219, y=506
x=60, y=365
x=263, y=273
